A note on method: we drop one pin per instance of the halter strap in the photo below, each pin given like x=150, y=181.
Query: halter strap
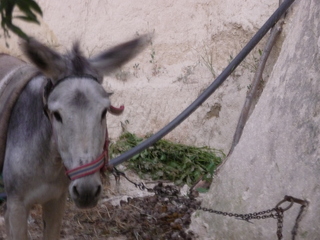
x=100, y=163
x=86, y=76
x=48, y=88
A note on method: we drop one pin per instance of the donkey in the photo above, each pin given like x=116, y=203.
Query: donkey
x=56, y=133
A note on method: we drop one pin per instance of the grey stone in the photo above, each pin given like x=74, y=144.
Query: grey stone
x=278, y=153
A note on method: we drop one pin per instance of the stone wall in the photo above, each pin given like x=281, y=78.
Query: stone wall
x=193, y=42
x=278, y=153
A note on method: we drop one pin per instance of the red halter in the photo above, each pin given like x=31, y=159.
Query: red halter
x=100, y=163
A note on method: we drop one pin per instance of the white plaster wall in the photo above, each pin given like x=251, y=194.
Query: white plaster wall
x=278, y=153
x=169, y=75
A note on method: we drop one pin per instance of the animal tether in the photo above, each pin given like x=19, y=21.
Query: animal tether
x=100, y=163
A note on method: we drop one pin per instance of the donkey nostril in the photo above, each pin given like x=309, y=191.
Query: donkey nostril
x=98, y=191
x=75, y=191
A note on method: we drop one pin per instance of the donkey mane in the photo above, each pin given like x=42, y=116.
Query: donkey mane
x=79, y=64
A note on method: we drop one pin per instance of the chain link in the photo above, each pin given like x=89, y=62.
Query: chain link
x=277, y=212
x=279, y=222
x=246, y=217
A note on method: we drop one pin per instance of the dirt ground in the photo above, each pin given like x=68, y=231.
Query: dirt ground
x=124, y=212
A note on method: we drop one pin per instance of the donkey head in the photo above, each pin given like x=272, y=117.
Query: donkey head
x=76, y=106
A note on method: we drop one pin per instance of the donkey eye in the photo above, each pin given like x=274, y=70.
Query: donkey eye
x=103, y=115
x=57, y=116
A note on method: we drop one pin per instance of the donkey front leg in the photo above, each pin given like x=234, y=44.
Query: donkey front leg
x=16, y=219
x=52, y=213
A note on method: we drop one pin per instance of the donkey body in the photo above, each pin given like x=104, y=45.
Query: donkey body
x=57, y=124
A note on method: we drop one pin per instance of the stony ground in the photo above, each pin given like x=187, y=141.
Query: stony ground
x=125, y=212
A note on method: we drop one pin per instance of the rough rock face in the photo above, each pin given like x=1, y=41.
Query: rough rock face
x=278, y=153
x=193, y=41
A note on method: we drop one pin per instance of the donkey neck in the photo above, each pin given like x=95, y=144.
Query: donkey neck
x=29, y=126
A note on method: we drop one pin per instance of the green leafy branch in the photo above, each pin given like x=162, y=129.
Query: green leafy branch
x=29, y=10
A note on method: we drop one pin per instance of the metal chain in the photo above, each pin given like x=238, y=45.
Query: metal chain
x=140, y=185
x=277, y=212
x=279, y=222
x=246, y=217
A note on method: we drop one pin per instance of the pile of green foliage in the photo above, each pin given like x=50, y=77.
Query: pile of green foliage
x=166, y=160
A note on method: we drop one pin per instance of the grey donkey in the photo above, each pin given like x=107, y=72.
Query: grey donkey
x=56, y=131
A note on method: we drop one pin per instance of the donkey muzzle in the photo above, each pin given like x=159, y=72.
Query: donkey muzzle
x=86, y=191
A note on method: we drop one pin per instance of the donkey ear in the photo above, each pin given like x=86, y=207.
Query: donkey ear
x=113, y=58
x=46, y=59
